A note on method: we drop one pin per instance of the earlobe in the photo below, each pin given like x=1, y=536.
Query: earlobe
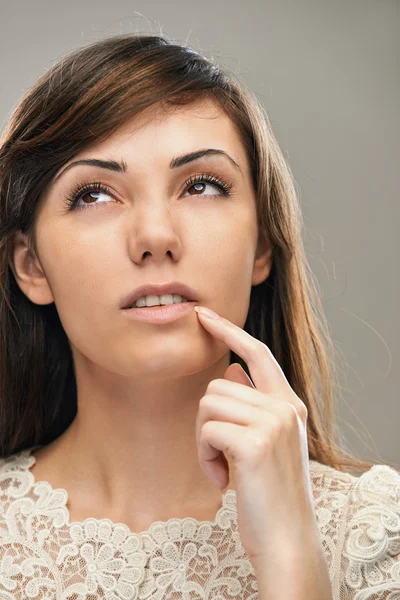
x=28, y=271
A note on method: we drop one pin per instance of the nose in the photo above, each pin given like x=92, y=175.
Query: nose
x=155, y=233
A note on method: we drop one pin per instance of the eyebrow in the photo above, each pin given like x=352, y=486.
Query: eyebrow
x=122, y=167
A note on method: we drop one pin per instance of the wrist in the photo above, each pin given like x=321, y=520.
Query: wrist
x=297, y=572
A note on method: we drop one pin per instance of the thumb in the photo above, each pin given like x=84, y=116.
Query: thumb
x=236, y=373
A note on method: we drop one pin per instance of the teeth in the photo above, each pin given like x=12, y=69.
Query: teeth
x=157, y=300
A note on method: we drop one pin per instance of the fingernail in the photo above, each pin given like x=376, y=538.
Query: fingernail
x=206, y=312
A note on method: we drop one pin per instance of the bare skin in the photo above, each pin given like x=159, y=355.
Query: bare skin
x=130, y=454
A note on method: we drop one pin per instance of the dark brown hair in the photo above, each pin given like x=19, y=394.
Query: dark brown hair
x=81, y=100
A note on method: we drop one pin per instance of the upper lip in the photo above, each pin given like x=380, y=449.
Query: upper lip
x=173, y=287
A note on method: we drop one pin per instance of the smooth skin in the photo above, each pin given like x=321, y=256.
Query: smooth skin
x=131, y=453
x=262, y=428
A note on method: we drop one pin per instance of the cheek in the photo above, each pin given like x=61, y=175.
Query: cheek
x=224, y=251
x=79, y=273
x=231, y=278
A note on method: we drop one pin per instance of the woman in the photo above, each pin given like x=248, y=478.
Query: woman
x=148, y=450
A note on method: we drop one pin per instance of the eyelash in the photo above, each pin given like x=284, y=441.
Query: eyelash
x=72, y=199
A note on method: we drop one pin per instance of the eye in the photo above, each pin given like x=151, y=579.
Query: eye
x=95, y=190
x=199, y=182
x=92, y=190
x=199, y=189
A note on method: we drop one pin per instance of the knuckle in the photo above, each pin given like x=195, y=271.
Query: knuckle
x=300, y=408
x=259, y=444
x=206, y=427
x=303, y=411
x=205, y=402
x=214, y=384
x=296, y=410
x=291, y=414
x=257, y=348
x=265, y=349
x=278, y=427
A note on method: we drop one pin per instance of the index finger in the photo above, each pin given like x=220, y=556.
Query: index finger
x=264, y=369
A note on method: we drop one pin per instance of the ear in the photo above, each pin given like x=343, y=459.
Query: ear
x=28, y=271
x=263, y=261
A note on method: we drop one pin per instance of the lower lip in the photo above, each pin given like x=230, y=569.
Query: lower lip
x=160, y=314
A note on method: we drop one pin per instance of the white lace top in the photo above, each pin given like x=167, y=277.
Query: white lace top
x=45, y=556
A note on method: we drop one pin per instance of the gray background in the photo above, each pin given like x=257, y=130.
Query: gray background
x=327, y=72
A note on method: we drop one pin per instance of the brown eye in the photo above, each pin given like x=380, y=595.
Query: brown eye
x=88, y=190
x=200, y=183
x=89, y=195
x=199, y=188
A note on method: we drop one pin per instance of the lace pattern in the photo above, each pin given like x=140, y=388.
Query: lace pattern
x=45, y=556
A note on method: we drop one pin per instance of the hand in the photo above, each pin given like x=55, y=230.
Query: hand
x=262, y=429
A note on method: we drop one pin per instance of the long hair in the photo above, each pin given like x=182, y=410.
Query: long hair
x=81, y=100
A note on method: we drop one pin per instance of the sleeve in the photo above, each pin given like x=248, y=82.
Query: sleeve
x=370, y=552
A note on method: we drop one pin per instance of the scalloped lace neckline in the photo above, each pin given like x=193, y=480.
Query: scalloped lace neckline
x=228, y=501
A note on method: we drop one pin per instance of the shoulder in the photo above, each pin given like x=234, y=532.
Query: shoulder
x=15, y=477
x=381, y=481
x=362, y=514
x=378, y=485
x=15, y=463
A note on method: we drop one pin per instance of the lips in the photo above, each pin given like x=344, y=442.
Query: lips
x=173, y=287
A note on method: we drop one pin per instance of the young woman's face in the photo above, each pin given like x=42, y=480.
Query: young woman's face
x=152, y=226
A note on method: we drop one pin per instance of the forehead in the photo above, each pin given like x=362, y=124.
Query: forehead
x=160, y=132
